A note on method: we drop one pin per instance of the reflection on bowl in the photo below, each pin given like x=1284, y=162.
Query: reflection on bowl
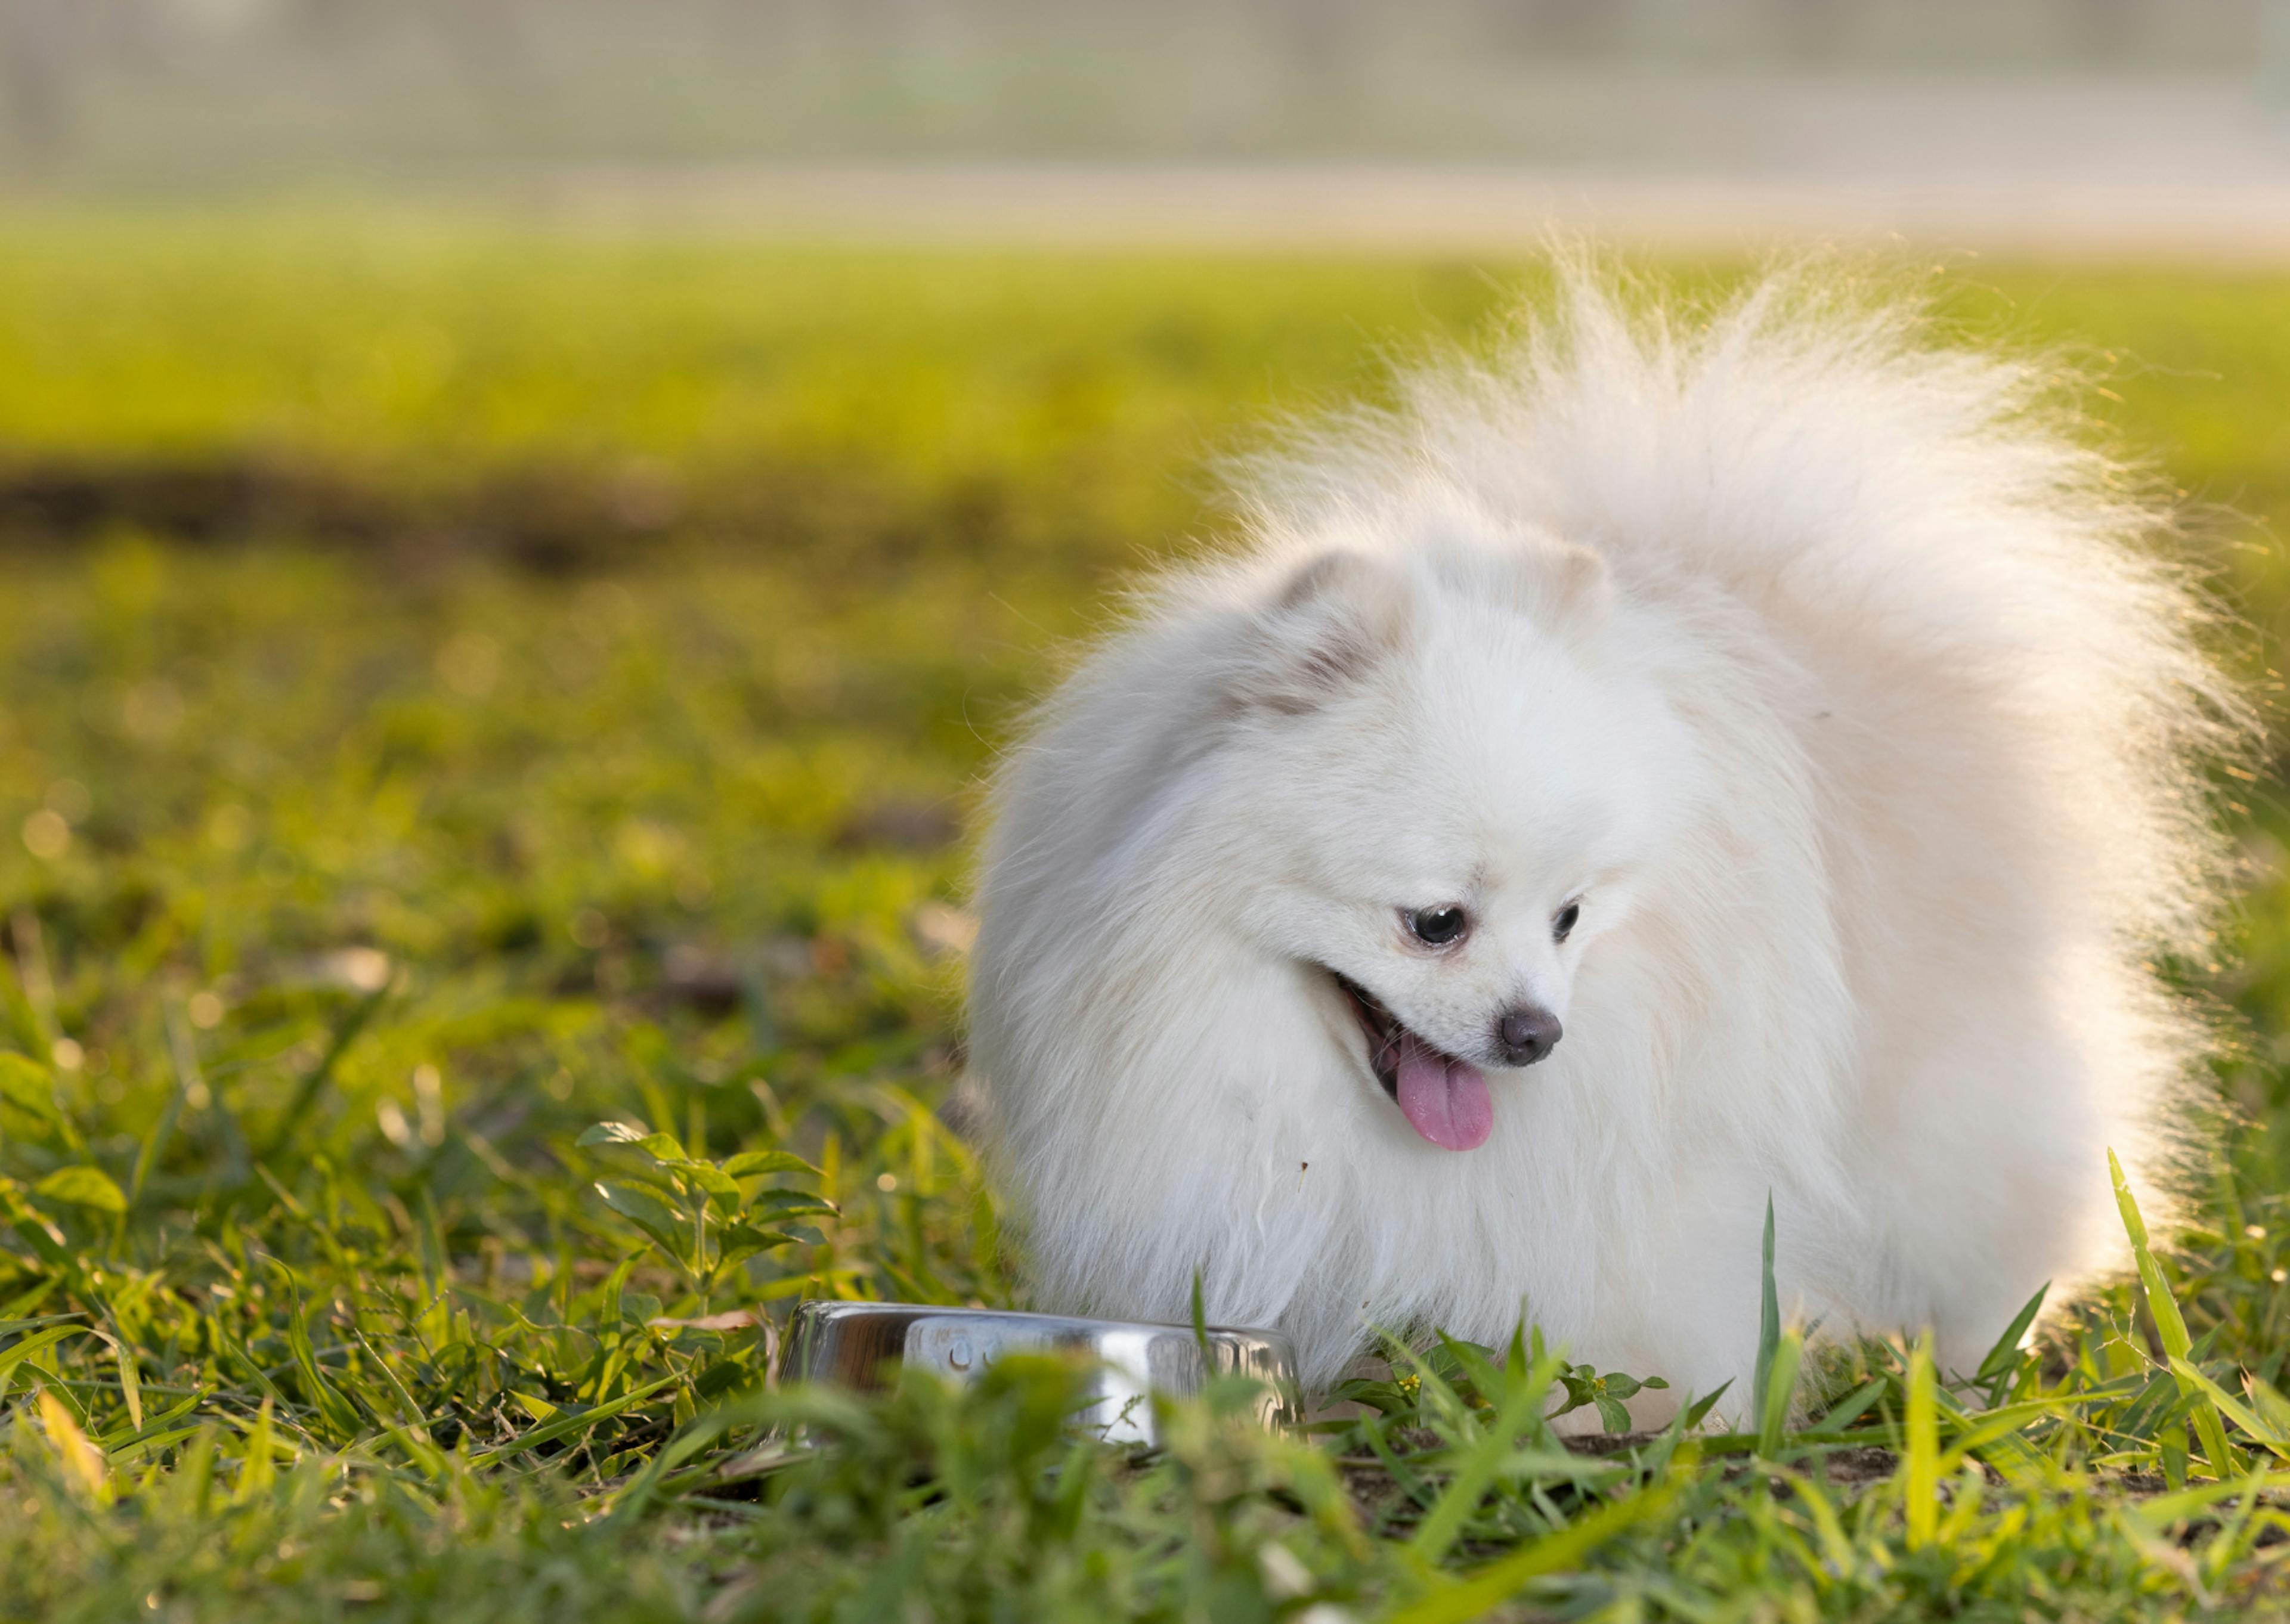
x=856, y=1344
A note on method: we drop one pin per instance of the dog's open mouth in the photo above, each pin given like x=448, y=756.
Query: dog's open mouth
x=1443, y=1098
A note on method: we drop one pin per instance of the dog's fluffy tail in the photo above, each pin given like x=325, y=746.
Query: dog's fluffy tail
x=1816, y=449
x=1822, y=455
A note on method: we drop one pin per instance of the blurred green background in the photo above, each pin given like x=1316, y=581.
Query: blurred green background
x=611, y=630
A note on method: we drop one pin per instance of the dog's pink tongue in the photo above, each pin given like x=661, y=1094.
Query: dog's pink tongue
x=1443, y=1100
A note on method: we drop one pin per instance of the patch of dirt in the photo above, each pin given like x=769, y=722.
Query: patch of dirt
x=1609, y=1443
x=903, y=826
x=1858, y=1465
x=549, y=519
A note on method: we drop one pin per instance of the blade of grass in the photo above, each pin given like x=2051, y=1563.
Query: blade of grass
x=154, y=1142
x=2233, y=1408
x=1920, y=1453
x=1698, y=1410
x=2272, y=1406
x=1780, y=1392
x=2004, y=1355
x=82, y=1462
x=1521, y=1405
x=306, y=1093
x=1555, y=1553
x=1769, y=1327
x=10, y=1357
x=1849, y=1409
x=569, y=1422
x=131, y=1383
x=694, y=1436
x=2171, y=1325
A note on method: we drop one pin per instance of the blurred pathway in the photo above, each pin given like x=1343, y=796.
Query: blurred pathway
x=2175, y=170
x=1446, y=209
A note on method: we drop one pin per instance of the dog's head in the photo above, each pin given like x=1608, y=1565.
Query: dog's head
x=1446, y=785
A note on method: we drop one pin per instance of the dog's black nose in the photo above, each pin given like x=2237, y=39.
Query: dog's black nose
x=1526, y=1035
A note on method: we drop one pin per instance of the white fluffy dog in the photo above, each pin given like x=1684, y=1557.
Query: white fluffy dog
x=1693, y=757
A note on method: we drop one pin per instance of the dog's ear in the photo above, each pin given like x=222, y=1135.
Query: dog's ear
x=1562, y=585
x=1328, y=625
x=1576, y=587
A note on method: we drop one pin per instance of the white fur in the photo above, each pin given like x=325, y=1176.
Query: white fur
x=1837, y=679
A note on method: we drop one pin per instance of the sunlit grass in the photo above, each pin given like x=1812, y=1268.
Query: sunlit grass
x=342, y=897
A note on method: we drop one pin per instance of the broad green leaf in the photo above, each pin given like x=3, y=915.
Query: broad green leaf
x=777, y=1206
x=722, y=1376
x=748, y=1164
x=27, y=1085
x=707, y=1177
x=633, y=1136
x=740, y=1241
x=654, y=1218
x=82, y=1186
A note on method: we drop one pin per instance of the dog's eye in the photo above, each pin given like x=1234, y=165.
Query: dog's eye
x=1563, y=926
x=1435, y=927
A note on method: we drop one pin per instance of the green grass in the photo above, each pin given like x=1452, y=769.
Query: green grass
x=343, y=896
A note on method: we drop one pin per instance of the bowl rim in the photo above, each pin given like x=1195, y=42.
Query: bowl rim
x=835, y=1309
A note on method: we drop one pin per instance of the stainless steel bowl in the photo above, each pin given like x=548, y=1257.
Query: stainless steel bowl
x=855, y=1344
